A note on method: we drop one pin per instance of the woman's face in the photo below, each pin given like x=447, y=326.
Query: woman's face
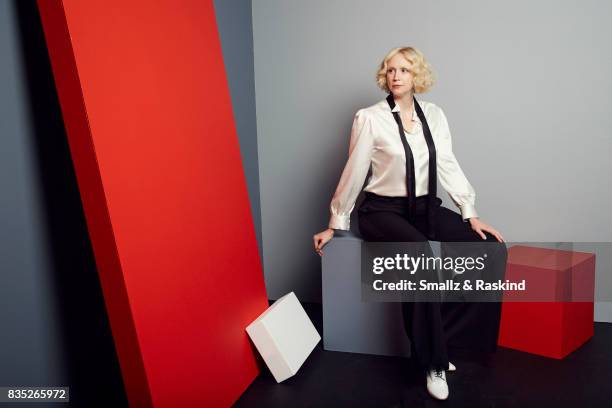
x=399, y=77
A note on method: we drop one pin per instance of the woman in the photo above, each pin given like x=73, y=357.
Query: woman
x=407, y=145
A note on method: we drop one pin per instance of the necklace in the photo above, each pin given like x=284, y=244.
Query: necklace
x=410, y=122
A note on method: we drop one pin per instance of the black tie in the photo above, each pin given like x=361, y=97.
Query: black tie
x=410, y=182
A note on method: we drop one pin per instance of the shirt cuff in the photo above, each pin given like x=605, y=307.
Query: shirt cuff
x=468, y=211
x=341, y=222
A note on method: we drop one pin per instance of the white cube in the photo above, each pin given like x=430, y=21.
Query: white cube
x=284, y=336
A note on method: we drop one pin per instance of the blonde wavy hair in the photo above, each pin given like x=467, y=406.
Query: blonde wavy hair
x=420, y=69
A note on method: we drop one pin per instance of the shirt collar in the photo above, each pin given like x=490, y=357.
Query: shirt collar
x=415, y=116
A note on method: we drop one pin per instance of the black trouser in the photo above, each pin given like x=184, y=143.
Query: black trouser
x=433, y=327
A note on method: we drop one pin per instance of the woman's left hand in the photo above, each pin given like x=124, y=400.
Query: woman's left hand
x=480, y=227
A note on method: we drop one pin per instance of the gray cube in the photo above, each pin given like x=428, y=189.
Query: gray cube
x=348, y=323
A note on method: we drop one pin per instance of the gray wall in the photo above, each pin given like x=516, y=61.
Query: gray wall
x=236, y=31
x=29, y=342
x=524, y=84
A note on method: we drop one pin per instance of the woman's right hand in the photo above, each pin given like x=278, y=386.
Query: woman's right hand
x=321, y=239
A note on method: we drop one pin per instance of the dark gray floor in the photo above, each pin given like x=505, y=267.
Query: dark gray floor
x=508, y=379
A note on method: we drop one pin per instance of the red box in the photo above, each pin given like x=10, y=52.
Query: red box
x=555, y=327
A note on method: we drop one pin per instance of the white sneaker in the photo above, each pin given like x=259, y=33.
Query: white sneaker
x=451, y=366
x=436, y=384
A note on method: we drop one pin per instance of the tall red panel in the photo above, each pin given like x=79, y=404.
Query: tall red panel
x=148, y=115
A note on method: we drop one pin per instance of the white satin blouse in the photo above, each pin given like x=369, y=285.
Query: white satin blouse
x=375, y=144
